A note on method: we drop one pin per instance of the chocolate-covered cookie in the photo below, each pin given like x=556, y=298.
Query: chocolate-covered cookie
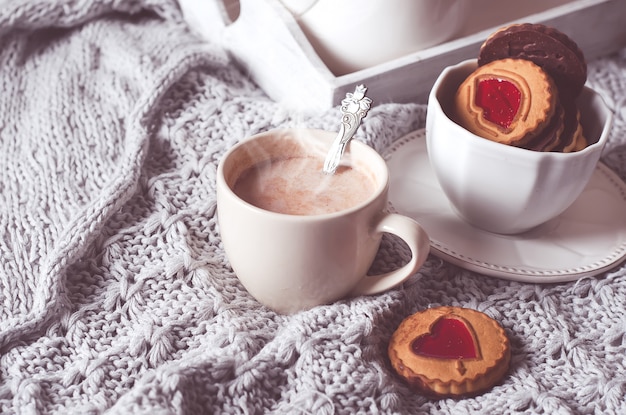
x=547, y=47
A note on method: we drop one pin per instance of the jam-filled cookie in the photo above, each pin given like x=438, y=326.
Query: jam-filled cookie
x=545, y=46
x=450, y=351
x=510, y=101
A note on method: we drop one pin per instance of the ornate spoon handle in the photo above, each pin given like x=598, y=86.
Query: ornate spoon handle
x=354, y=108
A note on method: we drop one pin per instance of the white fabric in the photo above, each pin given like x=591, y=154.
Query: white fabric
x=115, y=293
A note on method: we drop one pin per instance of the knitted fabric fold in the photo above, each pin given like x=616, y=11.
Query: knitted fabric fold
x=75, y=134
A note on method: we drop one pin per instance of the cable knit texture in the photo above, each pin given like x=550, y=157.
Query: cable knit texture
x=115, y=293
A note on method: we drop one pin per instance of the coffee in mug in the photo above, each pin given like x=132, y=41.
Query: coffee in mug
x=298, y=186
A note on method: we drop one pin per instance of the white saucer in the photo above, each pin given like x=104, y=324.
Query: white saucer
x=585, y=240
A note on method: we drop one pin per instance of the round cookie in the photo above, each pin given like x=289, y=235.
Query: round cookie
x=572, y=138
x=450, y=351
x=552, y=135
x=579, y=142
x=509, y=101
x=547, y=47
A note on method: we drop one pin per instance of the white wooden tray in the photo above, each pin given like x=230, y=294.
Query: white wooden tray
x=268, y=44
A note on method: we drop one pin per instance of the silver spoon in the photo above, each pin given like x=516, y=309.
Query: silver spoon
x=354, y=108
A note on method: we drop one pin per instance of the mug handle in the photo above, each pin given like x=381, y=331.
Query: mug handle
x=415, y=237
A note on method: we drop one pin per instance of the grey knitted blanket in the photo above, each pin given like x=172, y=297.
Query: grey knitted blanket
x=116, y=296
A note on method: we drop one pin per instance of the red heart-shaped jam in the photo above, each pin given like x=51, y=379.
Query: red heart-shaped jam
x=449, y=338
x=499, y=99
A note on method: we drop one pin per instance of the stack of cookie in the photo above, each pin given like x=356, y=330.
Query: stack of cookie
x=524, y=91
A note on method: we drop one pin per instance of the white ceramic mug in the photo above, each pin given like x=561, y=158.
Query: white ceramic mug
x=500, y=188
x=294, y=262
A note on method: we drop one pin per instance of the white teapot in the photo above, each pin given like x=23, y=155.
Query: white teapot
x=351, y=35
